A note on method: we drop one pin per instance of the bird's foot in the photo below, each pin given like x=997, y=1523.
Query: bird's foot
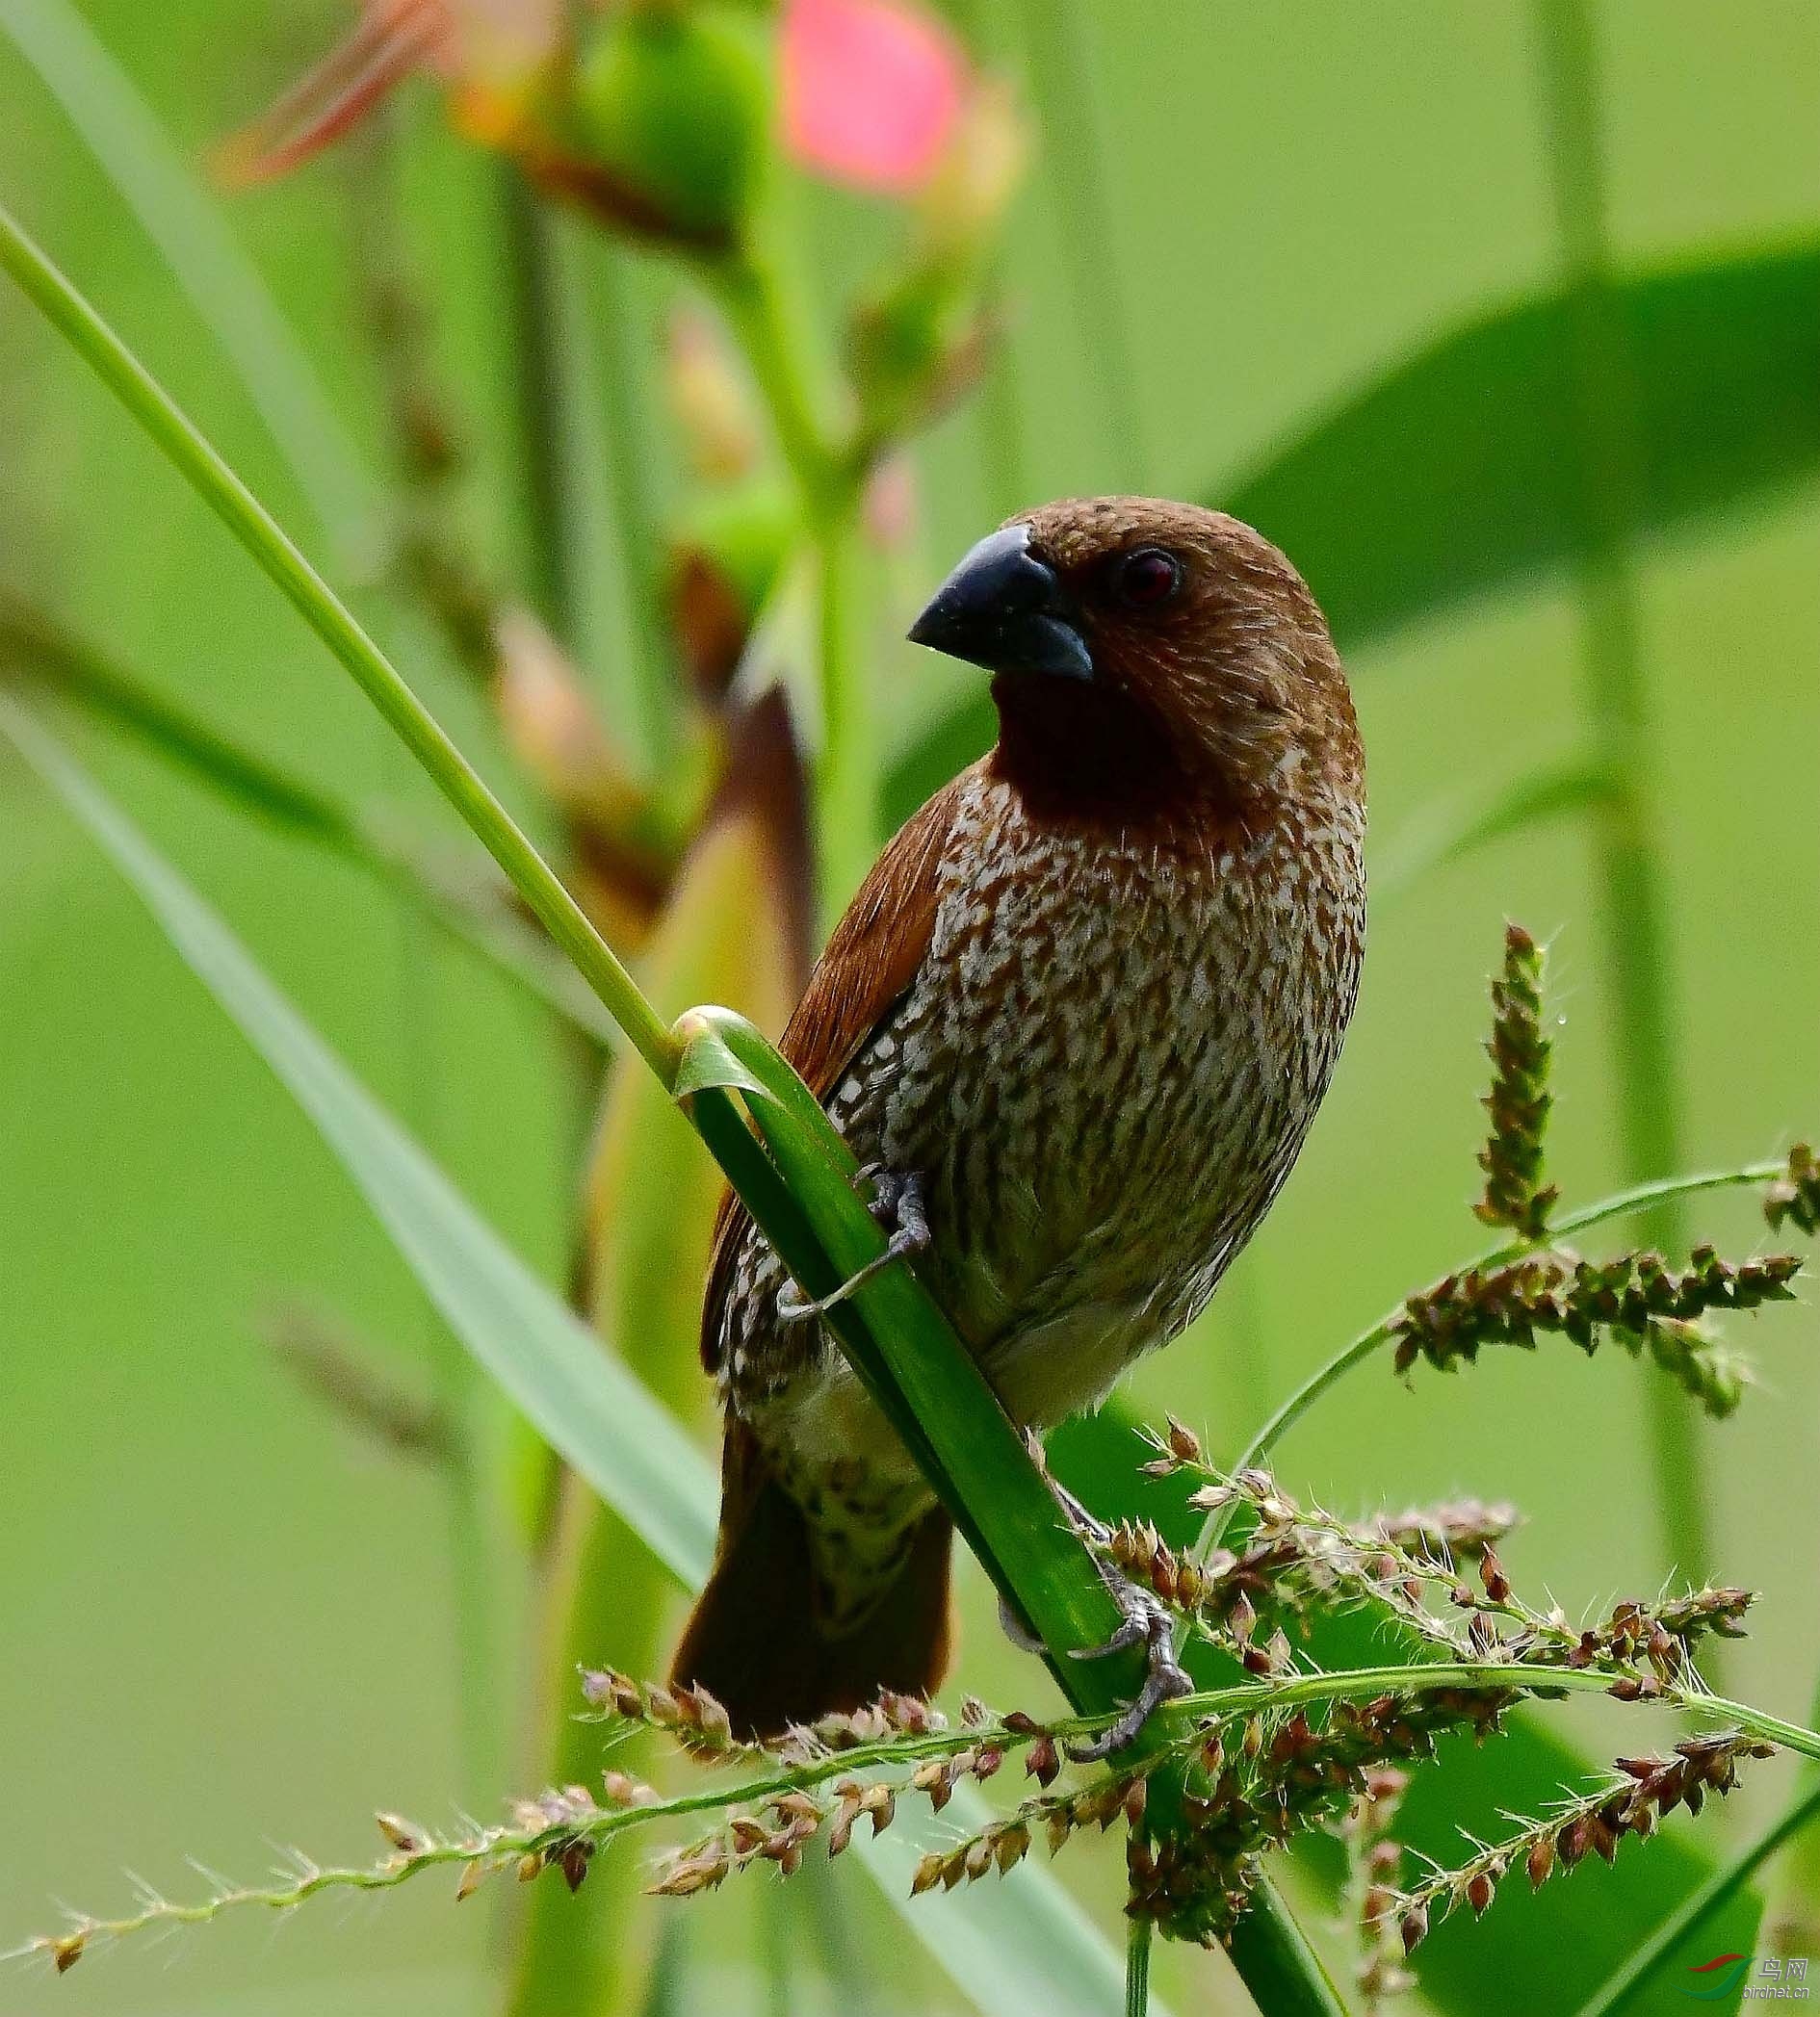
x=898, y=1205
x=1146, y=1621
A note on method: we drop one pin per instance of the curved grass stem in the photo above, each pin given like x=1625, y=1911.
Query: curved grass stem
x=417, y=1852
x=198, y=461
x=1641, y=1198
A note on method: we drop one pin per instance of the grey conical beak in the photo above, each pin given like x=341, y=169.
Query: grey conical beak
x=1004, y=608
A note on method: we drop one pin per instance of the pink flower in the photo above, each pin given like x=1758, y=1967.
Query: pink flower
x=871, y=91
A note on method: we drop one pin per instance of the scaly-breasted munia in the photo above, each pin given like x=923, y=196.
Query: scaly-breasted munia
x=1080, y=1018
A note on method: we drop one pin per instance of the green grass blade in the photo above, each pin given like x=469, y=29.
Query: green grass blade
x=1463, y=450
x=207, y=262
x=1019, y=1949
x=580, y=1399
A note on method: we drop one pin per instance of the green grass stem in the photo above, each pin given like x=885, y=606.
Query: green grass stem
x=1626, y=832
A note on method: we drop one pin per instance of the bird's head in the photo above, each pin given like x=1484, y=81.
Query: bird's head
x=1149, y=656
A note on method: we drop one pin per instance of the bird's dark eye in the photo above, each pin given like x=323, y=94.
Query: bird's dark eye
x=1148, y=577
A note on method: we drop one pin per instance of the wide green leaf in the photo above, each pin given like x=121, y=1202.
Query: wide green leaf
x=1450, y=477
x=1020, y=1948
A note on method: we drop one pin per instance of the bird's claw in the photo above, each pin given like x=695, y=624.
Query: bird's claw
x=1147, y=1623
x=897, y=1202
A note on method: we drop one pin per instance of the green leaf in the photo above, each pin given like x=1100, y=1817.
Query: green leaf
x=184, y=221
x=579, y=1398
x=1451, y=477
x=1023, y=1950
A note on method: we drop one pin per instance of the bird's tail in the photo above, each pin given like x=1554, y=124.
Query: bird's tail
x=752, y=1639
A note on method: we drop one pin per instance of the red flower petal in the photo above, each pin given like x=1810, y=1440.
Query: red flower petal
x=870, y=89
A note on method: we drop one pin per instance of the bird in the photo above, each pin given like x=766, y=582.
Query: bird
x=1075, y=1026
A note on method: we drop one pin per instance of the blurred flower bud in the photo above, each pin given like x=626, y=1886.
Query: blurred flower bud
x=919, y=342
x=961, y=205
x=672, y=104
x=710, y=400
x=726, y=560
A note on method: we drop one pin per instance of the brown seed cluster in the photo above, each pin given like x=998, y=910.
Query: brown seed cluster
x=1004, y=1844
x=1796, y=1193
x=1638, y=1299
x=690, y=1715
x=1438, y=1571
x=1283, y=1775
x=1519, y=1099
x=1458, y=1529
x=693, y=1718
x=1651, y=1788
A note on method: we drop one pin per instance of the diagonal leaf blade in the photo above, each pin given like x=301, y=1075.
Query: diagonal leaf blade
x=1023, y=1950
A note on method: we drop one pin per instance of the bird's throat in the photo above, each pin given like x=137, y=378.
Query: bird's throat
x=1085, y=751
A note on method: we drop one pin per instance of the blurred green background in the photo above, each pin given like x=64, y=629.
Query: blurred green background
x=227, y=1621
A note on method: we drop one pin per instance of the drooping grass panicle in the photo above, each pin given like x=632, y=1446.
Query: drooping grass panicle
x=1637, y=1298
x=1438, y=1574
x=1646, y=1790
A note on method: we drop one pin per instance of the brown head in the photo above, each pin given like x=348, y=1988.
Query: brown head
x=1150, y=657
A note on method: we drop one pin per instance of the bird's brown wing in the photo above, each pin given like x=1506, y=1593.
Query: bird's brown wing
x=868, y=965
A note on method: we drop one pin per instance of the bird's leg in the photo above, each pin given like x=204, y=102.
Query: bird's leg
x=1146, y=1621
x=898, y=1205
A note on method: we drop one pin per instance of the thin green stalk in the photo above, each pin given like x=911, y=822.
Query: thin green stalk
x=259, y=533
x=1642, y=1199
x=1138, y=1966
x=207, y=262
x=828, y=482
x=1732, y=1876
x=634, y=515
x=1061, y=76
x=1647, y=1065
